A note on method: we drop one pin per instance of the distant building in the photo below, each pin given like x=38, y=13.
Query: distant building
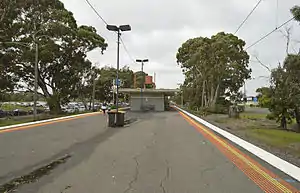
x=251, y=100
x=148, y=99
x=148, y=82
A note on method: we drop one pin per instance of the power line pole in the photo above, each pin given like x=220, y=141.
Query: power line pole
x=245, y=95
x=94, y=90
x=182, y=97
x=35, y=98
x=36, y=79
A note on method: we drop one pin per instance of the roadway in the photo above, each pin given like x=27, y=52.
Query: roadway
x=162, y=152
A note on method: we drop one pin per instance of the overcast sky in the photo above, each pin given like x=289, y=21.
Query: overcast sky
x=159, y=27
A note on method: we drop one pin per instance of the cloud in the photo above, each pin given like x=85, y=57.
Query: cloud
x=160, y=27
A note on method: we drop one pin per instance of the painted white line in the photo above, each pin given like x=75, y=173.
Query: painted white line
x=44, y=121
x=273, y=160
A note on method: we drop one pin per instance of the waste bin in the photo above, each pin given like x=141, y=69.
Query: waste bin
x=116, y=119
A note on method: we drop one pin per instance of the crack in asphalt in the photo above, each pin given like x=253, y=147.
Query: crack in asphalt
x=135, y=158
x=163, y=188
x=207, y=170
x=33, y=176
x=80, y=151
x=135, y=177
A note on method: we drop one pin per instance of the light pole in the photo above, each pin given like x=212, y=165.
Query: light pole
x=143, y=79
x=118, y=30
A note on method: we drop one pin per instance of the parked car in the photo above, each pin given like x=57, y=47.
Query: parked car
x=64, y=108
x=71, y=109
x=81, y=108
x=19, y=112
x=2, y=113
x=47, y=109
x=40, y=111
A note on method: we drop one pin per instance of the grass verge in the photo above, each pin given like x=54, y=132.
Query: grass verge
x=27, y=119
x=274, y=137
x=9, y=122
x=253, y=116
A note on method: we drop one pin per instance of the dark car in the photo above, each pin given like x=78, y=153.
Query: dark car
x=19, y=112
x=2, y=113
x=38, y=111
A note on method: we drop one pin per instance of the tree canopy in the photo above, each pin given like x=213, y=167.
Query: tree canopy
x=296, y=12
x=285, y=84
x=285, y=87
x=62, y=47
x=213, y=67
x=105, y=82
x=264, y=96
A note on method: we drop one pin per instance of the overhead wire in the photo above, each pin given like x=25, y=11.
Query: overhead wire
x=126, y=50
x=244, y=21
x=277, y=12
x=265, y=36
x=88, y=2
x=104, y=21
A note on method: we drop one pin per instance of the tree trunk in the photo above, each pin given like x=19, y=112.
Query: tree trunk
x=3, y=15
x=203, y=93
x=216, y=95
x=297, y=115
x=283, y=123
x=233, y=112
x=210, y=95
x=90, y=106
x=211, y=98
x=53, y=100
x=43, y=86
x=83, y=101
x=54, y=104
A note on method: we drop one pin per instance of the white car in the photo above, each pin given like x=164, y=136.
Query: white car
x=64, y=108
x=81, y=108
x=71, y=109
x=47, y=109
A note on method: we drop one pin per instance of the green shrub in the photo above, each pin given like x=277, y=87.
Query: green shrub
x=218, y=109
x=271, y=116
x=201, y=112
x=241, y=108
